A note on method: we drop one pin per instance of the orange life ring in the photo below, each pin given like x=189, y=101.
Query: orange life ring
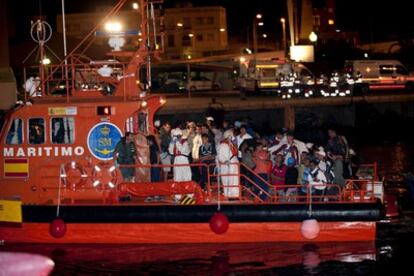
x=73, y=175
x=104, y=176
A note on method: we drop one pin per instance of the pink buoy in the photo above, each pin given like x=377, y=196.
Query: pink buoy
x=23, y=264
x=310, y=229
x=219, y=223
x=57, y=228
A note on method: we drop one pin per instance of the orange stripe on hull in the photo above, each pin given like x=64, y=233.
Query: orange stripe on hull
x=162, y=233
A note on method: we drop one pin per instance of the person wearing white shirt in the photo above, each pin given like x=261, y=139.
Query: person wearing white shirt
x=241, y=137
x=317, y=180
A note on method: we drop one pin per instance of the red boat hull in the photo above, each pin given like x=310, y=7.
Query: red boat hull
x=163, y=233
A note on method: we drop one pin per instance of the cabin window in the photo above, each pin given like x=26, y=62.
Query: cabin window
x=62, y=130
x=36, y=131
x=400, y=70
x=386, y=69
x=15, y=134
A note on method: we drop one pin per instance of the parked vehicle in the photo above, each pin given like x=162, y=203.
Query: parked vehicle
x=201, y=83
x=268, y=75
x=380, y=74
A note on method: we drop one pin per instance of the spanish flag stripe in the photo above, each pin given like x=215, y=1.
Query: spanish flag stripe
x=15, y=161
x=18, y=168
x=12, y=174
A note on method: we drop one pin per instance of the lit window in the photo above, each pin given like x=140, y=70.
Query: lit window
x=331, y=22
x=15, y=134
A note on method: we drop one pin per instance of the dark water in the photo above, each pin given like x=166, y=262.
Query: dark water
x=390, y=254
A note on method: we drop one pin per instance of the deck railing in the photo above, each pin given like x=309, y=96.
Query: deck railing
x=249, y=191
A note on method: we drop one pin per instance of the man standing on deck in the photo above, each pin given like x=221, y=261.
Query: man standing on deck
x=228, y=164
x=165, y=139
x=125, y=154
x=336, y=150
x=180, y=149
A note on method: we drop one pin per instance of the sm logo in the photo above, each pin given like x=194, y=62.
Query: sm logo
x=102, y=139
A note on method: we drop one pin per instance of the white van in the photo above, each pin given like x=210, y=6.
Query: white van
x=381, y=74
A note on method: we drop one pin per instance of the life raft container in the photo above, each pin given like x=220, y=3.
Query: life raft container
x=104, y=176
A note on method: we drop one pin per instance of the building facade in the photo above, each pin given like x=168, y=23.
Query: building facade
x=195, y=32
x=190, y=32
x=80, y=24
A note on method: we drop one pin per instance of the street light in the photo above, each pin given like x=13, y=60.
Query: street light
x=283, y=21
x=113, y=27
x=313, y=37
x=258, y=16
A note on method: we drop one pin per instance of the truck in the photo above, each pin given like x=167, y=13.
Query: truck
x=268, y=75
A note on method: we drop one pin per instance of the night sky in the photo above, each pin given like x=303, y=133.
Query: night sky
x=374, y=20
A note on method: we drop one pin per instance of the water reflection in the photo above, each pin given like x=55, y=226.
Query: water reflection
x=392, y=158
x=200, y=259
x=311, y=258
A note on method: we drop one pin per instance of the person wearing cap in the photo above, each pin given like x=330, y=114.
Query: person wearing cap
x=317, y=180
x=228, y=164
x=289, y=149
x=209, y=122
x=320, y=155
x=209, y=119
x=180, y=151
x=242, y=137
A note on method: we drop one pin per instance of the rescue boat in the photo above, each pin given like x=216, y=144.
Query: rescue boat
x=60, y=184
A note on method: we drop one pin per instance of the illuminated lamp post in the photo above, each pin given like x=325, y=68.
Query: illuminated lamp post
x=283, y=21
x=255, y=23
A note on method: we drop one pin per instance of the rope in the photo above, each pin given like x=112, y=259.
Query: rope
x=310, y=202
x=62, y=169
x=218, y=188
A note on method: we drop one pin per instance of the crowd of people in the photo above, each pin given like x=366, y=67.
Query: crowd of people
x=267, y=165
